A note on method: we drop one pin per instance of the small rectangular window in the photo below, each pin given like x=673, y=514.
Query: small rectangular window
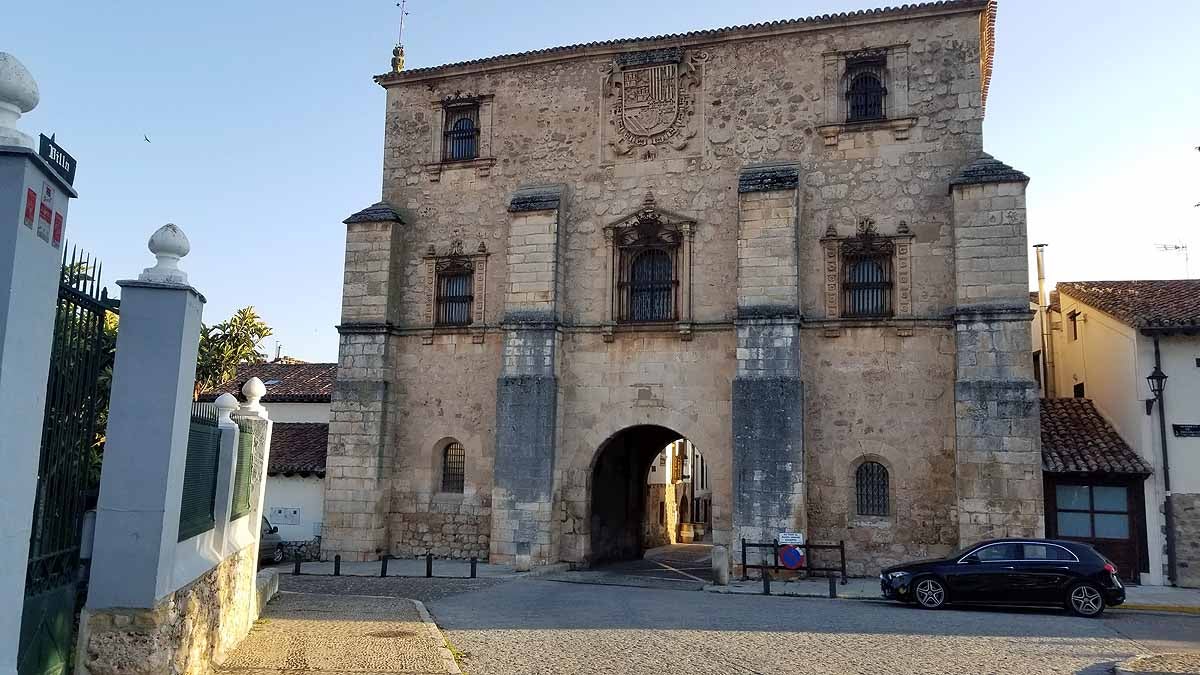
x=865, y=90
x=1077, y=390
x=1073, y=327
x=455, y=297
x=867, y=286
x=454, y=464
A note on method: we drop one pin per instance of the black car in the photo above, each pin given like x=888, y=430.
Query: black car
x=1011, y=572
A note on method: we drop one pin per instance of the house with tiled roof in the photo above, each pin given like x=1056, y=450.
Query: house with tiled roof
x=1110, y=343
x=297, y=401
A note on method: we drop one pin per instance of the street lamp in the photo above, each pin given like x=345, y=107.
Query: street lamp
x=1158, y=382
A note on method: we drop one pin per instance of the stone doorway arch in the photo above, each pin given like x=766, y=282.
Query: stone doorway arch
x=618, y=492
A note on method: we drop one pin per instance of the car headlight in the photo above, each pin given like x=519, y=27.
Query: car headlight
x=897, y=575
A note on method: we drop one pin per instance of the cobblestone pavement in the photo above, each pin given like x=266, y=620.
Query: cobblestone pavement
x=339, y=635
x=538, y=626
x=677, y=566
x=419, y=588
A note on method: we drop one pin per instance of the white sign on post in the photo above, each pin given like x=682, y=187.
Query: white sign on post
x=791, y=538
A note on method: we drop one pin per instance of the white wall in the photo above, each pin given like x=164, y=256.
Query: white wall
x=293, y=492
x=1182, y=394
x=298, y=412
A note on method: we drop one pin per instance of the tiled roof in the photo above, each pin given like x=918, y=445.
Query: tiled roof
x=1171, y=303
x=987, y=37
x=1054, y=307
x=1077, y=439
x=987, y=169
x=285, y=382
x=298, y=448
x=379, y=212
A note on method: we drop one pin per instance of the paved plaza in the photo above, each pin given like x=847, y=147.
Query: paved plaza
x=539, y=626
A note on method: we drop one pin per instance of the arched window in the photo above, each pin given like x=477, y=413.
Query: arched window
x=454, y=466
x=867, y=288
x=871, y=488
x=865, y=92
x=461, y=133
x=651, y=286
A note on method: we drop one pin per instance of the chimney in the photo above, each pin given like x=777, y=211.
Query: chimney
x=1049, y=386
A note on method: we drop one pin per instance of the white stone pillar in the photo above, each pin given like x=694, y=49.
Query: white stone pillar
x=137, y=519
x=253, y=415
x=29, y=272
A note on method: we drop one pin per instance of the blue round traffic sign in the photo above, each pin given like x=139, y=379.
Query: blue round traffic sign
x=791, y=557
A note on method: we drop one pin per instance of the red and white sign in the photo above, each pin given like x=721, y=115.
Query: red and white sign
x=58, y=230
x=30, y=207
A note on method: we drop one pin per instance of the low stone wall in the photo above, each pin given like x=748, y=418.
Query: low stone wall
x=1186, y=513
x=449, y=529
x=186, y=632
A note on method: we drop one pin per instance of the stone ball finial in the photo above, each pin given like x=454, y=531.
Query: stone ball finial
x=168, y=244
x=253, y=390
x=226, y=403
x=18, y=95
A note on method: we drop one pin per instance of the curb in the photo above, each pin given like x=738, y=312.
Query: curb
x=1175, y=609
x=436, y=633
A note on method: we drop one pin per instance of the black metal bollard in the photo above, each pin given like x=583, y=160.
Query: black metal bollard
x=833, y=587
x=745, y=572
x=474, y=562
x=296, y=564
x=428, y=565
x=766, y=575
x=337, y=565
x=383, y=565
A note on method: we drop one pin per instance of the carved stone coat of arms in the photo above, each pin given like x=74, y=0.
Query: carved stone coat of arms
x=651, y=102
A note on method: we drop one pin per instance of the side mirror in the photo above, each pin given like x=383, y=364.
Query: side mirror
x=274, y=530
x=971, y=560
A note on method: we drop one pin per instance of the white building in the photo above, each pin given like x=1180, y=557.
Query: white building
x=1105, y=338
x=297, y=401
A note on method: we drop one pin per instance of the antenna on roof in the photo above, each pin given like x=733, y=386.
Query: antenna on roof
x=1178, y=248
x=398, y=51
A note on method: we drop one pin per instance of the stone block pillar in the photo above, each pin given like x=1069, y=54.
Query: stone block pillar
x=30, y=259
x=137, y=516
x=768, y=399
x=999, y=467
x=527, y=390
x=361, y=451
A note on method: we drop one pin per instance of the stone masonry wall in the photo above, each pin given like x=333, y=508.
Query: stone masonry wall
x=996, y=398
x=1186, y=512
x=186, y=632
x=751, y=101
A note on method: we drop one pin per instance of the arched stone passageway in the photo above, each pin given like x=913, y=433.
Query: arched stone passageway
x=618, y=491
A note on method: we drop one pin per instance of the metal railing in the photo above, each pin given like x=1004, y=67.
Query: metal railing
x=808, y=568
x=383, y=569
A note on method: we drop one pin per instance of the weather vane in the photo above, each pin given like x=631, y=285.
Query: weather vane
x=398, y=52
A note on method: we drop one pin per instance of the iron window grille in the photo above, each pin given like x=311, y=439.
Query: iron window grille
x=871, y=489
x=865, y=93
x=648, y=281
x=867, y=274
x=454, y=466
x=455, y=296
x=461, y=133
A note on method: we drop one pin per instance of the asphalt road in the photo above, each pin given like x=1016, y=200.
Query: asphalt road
x=539, y=626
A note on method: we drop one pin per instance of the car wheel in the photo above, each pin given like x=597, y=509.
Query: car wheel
x=277, y=556
x=930, y=593
x=1085, y=600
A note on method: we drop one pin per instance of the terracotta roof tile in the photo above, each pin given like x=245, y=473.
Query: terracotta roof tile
x=285, y=382
x=1142, y=304
x=298, y=448
x=1077, y=439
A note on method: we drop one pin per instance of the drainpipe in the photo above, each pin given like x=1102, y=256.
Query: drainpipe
x=1166, y=466
x=1048, y=374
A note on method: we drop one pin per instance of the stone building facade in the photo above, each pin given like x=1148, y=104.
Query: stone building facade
x=783, y=242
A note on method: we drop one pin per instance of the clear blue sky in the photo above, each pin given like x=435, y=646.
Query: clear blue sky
x=266, y=129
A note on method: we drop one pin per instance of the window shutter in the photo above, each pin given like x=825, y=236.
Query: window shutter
x=198, y=502
x=242, y=473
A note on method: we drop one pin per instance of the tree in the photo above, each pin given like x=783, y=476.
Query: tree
x=227, y=345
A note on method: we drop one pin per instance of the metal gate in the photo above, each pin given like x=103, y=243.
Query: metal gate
x=75, y=398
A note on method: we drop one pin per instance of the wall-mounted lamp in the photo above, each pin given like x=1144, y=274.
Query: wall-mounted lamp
x=1158, y=382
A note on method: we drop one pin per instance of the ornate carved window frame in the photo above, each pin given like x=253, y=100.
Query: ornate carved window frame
x=840, y=66
x=648, y=228
x=454, y=257
x=867, y=241
x=440, y=110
